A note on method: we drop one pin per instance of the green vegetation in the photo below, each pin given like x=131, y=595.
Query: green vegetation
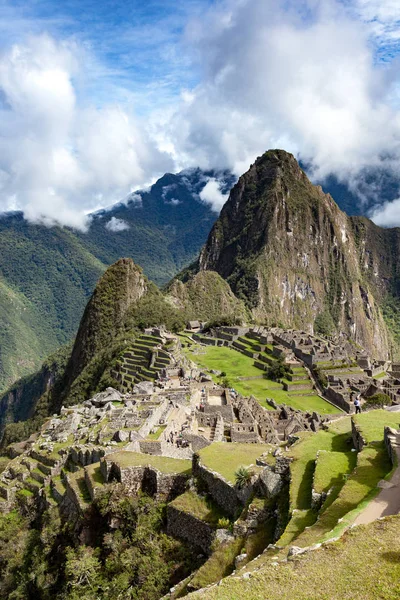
x=237, y=365
x=242, y=476
x=362, y=566
x=331, y=469
x=323, y=324
x=378, y=400
x=138, y=560
x=371, y=424
x=227, y=458
x=200, y=507
x=162, y=463
x=219, y=565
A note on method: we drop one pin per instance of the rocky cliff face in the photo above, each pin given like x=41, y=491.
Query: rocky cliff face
x=287, y=249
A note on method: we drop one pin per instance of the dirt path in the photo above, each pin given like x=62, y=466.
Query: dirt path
x=387, y=502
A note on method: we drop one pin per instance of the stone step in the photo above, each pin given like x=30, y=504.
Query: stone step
x=32, y=485
x=57, y=488
x=38, y=476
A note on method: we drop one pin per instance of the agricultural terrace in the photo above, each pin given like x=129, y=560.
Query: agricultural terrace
x=236, y=366
x=163, y=464
x=227, y=458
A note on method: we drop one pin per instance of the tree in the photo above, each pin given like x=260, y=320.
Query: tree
x=278, y=370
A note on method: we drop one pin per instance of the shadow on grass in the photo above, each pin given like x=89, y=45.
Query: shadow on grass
x=303, y=500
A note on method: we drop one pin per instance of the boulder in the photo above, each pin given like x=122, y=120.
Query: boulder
x=270, y=482
x=144, y=387
x=109, y=395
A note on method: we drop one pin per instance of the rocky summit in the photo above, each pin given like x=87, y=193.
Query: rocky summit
x=297, y=260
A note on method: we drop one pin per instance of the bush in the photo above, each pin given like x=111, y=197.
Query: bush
x=242, y=477
x=323, y=324
x=277, y=371
x=378, y=400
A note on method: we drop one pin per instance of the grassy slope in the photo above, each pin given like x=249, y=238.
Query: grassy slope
x=363, y=565
x=236, y=365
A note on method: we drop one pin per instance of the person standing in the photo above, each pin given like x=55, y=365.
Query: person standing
x=357, y=404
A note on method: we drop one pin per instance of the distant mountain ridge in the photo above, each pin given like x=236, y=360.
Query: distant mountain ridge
x=48, y=273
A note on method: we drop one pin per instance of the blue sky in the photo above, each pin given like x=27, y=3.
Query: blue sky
x=100, y=98
x=138, y=46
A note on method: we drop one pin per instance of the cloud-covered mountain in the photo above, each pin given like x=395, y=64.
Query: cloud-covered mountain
x=47, y=273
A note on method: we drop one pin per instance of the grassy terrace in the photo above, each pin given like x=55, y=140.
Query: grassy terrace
x=163, y=464
x=199, y=507
x=226, y=458
x=331, y=469
x=363, y=565
x=371, y=423
x=236, y=365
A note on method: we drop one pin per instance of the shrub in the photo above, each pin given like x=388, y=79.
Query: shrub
x=277, y=371
x=378, y=401
x=242, y=476
x=323, y=324
x=223, y=523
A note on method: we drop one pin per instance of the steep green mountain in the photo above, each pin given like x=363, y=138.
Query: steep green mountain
x=295, y=258
x=48, y=273
x=46, y=276
x=123, y=303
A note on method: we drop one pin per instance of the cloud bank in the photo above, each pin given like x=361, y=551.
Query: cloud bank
x=211, y=194
x=297, y=75
x=60, y=157
x=319, y=78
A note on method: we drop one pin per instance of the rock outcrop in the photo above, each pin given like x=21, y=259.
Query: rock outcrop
x=287, y=249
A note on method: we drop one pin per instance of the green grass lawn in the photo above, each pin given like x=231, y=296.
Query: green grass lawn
x=331, y=468
x=304, y=453
x=363, y=565
x=371, y=423
x=235, y=365
x=157, y=433
x=226, y=458
x=163, y=464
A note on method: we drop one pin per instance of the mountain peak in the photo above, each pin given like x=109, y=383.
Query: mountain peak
x=288, y=251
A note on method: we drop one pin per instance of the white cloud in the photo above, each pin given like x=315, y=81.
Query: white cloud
x=57, y=155
x=387, y=215
x=297, y=75
x=116, y=225
x=211, y=194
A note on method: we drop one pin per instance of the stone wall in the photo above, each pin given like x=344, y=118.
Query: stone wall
x=183, y=525
x=245, y=432
x=154, y=419
x=228, y=497
x=358, y=440
x=147, y=479
x=150, y=447
x=392, y=443
x=338, y=400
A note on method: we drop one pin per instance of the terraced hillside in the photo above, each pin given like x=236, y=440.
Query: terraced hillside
x=245, y=365
x=330, y=486
x=143, y=361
